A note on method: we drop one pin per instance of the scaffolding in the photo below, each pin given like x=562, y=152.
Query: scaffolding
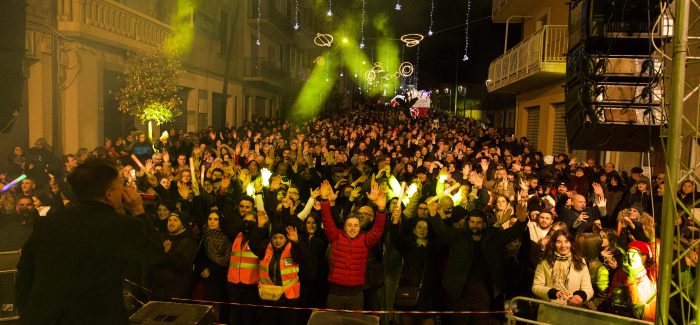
x=678, y=292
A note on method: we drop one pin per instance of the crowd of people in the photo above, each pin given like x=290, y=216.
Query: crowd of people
x=371, y=210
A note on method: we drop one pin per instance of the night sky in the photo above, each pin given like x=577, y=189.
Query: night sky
x=440, y=55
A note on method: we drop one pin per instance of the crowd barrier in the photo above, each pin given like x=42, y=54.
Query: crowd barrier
x=560, y=314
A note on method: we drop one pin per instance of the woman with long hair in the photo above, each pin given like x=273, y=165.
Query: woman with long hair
x=611, y=256
x=213, y=259
x=313, y=268
x=562, y=276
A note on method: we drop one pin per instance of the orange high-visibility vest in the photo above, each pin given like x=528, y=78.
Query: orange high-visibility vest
x=289, y=270
x=244, y=264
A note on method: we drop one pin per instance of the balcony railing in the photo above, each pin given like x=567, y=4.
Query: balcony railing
x=264, y=69
x=543, y=51
x=109, y=21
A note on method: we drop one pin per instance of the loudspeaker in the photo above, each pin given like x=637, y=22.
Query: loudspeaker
x=8, y=270
x=13, y=25
x=162, y=313
x=338, y=318
x=619, y=135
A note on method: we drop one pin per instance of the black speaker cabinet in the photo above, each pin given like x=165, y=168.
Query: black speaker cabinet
x=338, y=318
x=170, y=313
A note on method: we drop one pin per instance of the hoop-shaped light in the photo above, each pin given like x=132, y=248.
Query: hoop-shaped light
x=412, y=40
x=323, y=39
x=406, y=69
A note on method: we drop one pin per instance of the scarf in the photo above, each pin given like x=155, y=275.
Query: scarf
x=217, y=247
x=503, y=218
x=560, y=271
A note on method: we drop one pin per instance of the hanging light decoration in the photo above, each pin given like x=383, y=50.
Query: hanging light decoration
x=257, y=41
x=330, y=8
x=296, y=15
x=398, y=5
x=362, y=27
x=432, y=9
x=466, y=32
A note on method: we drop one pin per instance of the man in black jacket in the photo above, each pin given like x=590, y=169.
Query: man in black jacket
x=72, y=266
x=474, y=272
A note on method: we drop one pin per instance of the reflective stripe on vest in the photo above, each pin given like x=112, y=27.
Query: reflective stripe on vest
x=289, y=273
x=244, y=264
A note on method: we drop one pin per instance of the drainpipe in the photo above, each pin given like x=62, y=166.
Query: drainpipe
x=505, y=42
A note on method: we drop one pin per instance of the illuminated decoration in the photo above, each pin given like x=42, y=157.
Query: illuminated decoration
x=417, y=67
x=257, y=41
x=406, y=69
x=397, y=75
x=466, y=32
x=370, y=75
x=412, y=40
x=377, y=67
x=296, y=15
x=432, y=9
x=323, y=39
x=320, y=60
x=330, y=8
x=362, y=27
x=398, y=5
x=388, y=77
x=420, y=107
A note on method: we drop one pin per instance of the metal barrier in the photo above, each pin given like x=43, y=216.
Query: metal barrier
x=8, y=270
x=570, y=315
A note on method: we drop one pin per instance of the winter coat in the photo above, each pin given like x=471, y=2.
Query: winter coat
x=72, y=267
x=579, y=283
x=172, y=278
x=349, y=255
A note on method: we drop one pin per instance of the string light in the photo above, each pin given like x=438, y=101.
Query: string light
x=362, y=27
x=257, y=42
x=416, y=68
x=398, y=5
x=466, y=32
x=330, y=8
x=432, y=9
x=296, y=15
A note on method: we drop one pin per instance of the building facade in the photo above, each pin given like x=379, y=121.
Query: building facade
x=535, y=71
x=93, y=37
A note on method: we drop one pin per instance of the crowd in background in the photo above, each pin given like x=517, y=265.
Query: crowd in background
x=373, y=210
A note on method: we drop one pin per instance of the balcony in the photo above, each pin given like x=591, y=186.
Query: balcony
x=106, y=21
x=502, y=9
x=538, y=60
x=273, y=23
x=264, y=72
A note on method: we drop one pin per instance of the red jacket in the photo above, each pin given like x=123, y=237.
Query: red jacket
x=349, y=256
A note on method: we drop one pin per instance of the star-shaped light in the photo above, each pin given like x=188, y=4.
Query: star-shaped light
x=465, y=58
x=296, y=26
x=362, y=45
x=398, y=6
x=329, y=13
x=257, y=42
x=430, y=32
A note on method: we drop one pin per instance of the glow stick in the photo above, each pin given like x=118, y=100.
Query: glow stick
x=13, y=183
x=137, y=161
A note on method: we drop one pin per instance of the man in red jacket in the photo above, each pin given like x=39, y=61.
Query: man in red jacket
x=349, y=249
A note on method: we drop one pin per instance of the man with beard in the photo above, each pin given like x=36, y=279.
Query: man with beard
x=172, y=277
x=17, y=227
x=474, y=272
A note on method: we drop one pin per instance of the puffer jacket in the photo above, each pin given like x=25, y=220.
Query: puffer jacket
x=349, y=256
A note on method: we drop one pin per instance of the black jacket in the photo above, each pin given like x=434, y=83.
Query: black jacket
x=72, y=266
x=461, y=256
x=172, y=277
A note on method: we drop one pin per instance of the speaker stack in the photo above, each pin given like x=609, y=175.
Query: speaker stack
x=614, y=77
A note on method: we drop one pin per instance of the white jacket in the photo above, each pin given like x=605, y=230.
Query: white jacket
x=579, y=280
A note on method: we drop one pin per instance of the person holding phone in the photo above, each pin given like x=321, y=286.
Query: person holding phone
x=71, y=268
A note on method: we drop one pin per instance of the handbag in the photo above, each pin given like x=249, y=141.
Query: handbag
x=271, y=292
x=407, y=297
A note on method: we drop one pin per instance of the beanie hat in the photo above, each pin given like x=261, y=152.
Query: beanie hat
x=637, y=206
x=184, y=219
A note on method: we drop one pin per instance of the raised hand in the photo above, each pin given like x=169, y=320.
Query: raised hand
x=381, y=201
x=373, y=195
x=432, y=207
x=166, y=156
x=262, y=219
x=315, y=193
x=292, y=234
x=225, y=181
x=598, y=190
x=484, y=165
x=326, y=190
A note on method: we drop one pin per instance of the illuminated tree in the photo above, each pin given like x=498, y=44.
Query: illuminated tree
x=150, y=90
